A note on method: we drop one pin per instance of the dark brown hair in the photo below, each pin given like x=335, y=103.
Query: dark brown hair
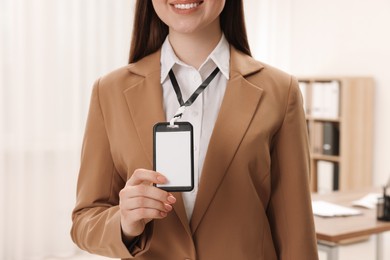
x=149, y=32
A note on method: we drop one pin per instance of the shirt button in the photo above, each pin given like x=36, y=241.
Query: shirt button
x=196, y=148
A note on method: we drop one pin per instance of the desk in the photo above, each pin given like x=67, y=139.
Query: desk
x=332, y=232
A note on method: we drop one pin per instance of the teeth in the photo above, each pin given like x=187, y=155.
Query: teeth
x=186, y=6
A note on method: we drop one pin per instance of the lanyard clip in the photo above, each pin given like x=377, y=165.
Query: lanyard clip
x=178, y=115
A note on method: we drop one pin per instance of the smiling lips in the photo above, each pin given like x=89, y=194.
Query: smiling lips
x=187, y=6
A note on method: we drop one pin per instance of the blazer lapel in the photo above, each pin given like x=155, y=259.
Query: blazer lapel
x=238, y=107
x=144, y=99
x=145, y=102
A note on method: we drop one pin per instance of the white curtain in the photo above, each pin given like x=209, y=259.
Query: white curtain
x=51, y=52
x=269, y=31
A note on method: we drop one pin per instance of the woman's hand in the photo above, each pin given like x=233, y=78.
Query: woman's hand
x=140, y=202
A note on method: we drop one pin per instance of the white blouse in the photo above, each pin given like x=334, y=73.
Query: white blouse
x=203, y=113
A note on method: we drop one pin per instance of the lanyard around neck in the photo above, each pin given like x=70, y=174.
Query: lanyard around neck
x=197, y=92
x=192, y=98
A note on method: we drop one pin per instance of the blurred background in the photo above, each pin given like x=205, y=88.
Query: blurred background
x=51, y=52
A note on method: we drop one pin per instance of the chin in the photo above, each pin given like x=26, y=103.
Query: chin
x=186, y=28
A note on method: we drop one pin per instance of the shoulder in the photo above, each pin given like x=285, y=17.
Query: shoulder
x=257, y=72
x=276, y=85
x=272, y=77
x=129, y=75
x=119, y=76
x=274, y=74
x=275, y=81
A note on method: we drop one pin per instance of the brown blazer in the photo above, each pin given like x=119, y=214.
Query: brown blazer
x=253, y=200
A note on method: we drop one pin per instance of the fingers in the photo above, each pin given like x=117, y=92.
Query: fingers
x=146, y=176
x=139, y=202
x=146, y=214
x=146, y=191
x=142, y=200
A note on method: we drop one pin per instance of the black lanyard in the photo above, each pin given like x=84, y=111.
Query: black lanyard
x=197, y=92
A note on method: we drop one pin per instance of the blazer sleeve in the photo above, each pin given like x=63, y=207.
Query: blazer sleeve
x=290, y=213
x=96, y=217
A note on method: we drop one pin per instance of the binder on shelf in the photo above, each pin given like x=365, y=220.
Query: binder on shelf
x=326, y=99
x=330, y=141
x=317, y=137
x=317, y=100
x=332, y=99
x=327, y=176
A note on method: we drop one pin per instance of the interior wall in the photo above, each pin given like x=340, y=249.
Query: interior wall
x=348, y=38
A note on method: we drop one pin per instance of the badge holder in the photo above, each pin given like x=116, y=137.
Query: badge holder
x=173, y=154
x=177, y=116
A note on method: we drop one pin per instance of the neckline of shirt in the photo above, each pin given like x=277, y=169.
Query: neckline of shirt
x=220, y=57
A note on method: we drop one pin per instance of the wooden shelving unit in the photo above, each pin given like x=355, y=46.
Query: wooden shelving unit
x=355, y=125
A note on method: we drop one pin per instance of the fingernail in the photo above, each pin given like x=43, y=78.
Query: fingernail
x=163, y=214
x=168, y=207
x=171, y=199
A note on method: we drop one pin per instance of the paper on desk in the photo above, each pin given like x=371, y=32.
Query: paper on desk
x=369, y=201
x=327, y=209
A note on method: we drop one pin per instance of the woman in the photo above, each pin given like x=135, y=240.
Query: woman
x=251, y=198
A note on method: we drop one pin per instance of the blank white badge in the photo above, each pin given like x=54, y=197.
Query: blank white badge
x=174, y=158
